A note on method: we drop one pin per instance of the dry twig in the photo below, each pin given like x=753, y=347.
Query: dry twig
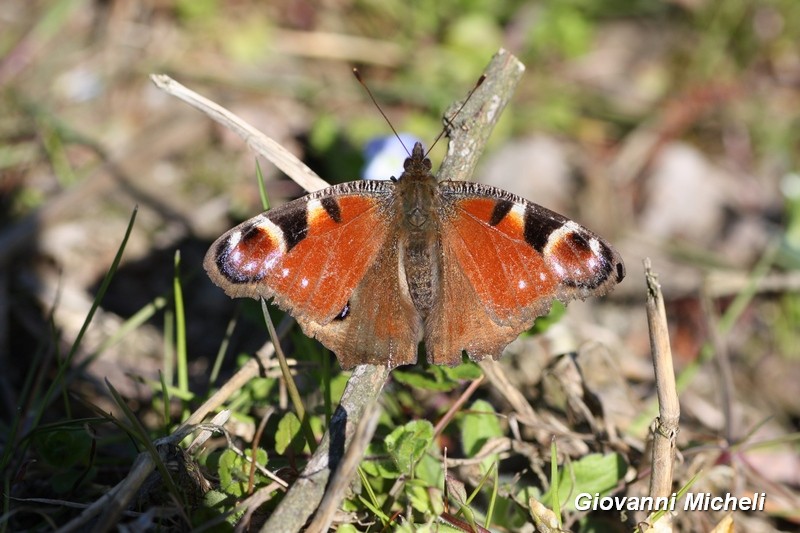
x=666, y=425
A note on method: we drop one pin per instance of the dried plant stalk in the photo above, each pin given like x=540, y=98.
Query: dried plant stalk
x=667, y=424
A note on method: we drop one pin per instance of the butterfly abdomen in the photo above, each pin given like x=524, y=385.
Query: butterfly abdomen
x=418, y=196
x=420, y=267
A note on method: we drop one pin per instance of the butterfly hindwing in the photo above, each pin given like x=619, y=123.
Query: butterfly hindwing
x=381, y=325
x=459, y=320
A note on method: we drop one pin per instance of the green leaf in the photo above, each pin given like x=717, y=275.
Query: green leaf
x=288, y=434
x=216, y=503
x=478, y=425
x=424, y=498
x=382, y=465
x=214, y=498
x=466, y=371
x=508, y=515
x=407, y=444
x=234, y=472
x=429, y=470
x=227, y=467
x=593, y=473
x=63, y=448
x=543, y=323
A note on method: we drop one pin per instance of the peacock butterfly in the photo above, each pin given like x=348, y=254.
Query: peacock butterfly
x=370, y=267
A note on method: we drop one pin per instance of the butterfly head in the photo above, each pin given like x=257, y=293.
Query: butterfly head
x=418, y=164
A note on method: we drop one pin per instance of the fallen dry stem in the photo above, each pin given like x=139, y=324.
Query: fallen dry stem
x=257, y=141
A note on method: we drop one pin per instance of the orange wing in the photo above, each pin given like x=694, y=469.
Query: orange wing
x=380, y=325
x=507, y=259
x=331, y=261
x=310, y=254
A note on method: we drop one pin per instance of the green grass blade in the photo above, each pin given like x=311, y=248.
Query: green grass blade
x=140, y=434
x=134, y=322
x=180, y=328
x=262, y=191
x=291, y=386
x=223, y=347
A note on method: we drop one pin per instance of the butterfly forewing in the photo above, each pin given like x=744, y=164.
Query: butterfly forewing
x=309, y=254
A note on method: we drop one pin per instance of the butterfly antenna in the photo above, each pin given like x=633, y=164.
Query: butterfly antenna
x=357, y=74
x=449, y=121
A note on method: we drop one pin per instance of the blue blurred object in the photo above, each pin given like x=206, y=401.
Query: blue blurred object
x=385, y=156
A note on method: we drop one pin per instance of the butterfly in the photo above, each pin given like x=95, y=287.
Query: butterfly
x=371, y=267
